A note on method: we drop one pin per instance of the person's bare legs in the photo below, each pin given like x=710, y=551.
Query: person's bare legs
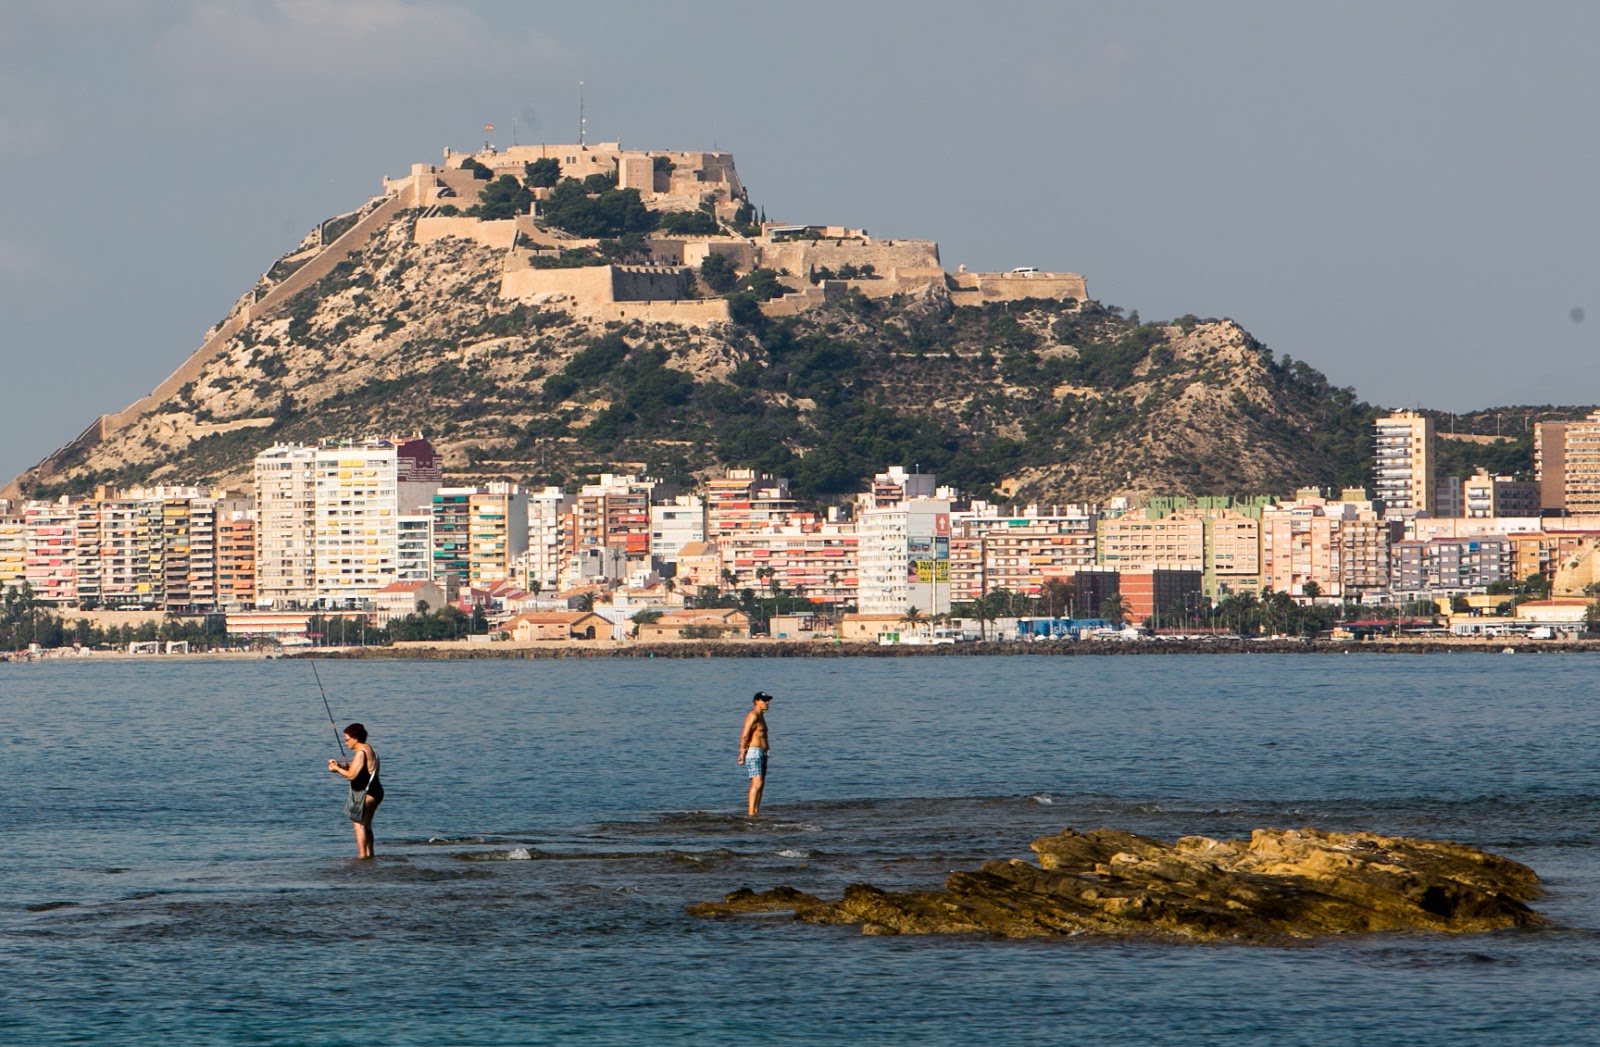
x=364, y=836
x=755, y=794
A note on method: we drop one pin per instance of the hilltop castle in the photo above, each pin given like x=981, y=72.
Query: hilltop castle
x=659, y=289
x=551, y=268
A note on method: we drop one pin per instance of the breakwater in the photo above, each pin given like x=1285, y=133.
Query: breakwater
x=825, y=649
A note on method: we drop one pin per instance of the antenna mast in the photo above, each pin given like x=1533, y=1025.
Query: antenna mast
x=580, y=113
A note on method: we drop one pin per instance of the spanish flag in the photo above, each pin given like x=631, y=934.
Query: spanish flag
x=488, y=127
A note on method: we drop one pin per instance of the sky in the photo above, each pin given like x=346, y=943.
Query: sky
x=1400, y=194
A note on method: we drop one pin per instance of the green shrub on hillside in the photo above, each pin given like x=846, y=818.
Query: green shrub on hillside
x=598, y=359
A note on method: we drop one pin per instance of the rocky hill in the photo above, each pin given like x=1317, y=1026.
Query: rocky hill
x=1039, y=399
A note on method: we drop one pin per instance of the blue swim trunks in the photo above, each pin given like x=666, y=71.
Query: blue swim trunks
x=755, y=762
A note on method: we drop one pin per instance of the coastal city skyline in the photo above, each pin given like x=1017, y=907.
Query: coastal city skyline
x=375, y=527
x=1089, y=530
x=1348, y=157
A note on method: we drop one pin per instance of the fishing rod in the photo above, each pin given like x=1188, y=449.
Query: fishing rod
x=325, y=705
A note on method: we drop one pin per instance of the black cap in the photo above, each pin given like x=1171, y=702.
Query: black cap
x=762, y=696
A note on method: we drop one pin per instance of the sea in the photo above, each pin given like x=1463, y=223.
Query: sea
x=175, y=869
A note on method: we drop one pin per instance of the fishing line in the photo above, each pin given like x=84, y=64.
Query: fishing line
x=325, y=705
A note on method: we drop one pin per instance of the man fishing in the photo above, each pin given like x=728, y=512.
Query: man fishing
x=753, y=747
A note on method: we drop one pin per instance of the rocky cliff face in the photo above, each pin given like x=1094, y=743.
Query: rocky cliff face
x=1046, y=400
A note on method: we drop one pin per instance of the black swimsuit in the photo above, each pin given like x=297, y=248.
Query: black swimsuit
x=359, y=782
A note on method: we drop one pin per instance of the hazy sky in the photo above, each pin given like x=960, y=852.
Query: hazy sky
x=1401, y=194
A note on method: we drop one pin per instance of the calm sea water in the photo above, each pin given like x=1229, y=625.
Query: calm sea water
x=176, y=869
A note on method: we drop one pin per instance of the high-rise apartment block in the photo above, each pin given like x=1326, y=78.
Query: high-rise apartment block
x=613, y=513
x=745, y=500
x=806, y=555
x=1403, y=470
x=451, y=508
x=1486, y=496
x=900, y=545
x=356, y=520
x=327, y=527
x=50, y=564
x=674, y=525
x=13, y=550
x=286, y=493
x=549, y=548
x=1567, y=465
x=1019, y=552
x=497, y=524
x=236, y=558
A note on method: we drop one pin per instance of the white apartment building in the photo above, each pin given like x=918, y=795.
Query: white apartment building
x=357, y=521
x=327, y=531
x=286, y=493
x=675, y=524
x=549, y=522
x=414, y=548
x=898, y=546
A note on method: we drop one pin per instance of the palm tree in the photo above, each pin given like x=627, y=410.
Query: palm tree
x=586, y=602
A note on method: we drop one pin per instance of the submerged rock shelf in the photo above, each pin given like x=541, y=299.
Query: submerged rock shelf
x=1278, y=884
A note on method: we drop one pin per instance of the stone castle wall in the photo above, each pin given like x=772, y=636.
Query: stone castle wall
x=636, y=171
x=977, y=288
x=597, y=284
x=607, y=292
x=742, y=253
x=498, y=234
x=800, y=256
x=694, y=172
x=590, y=284
x=631, y=283
x=687, y=312
x=806, y=298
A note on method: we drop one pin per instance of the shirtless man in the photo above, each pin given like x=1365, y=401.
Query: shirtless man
x=753, y=746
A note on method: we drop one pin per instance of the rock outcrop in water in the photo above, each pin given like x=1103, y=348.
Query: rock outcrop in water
x=1297, y=883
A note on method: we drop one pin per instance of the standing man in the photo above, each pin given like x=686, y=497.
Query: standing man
x=753, y=746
